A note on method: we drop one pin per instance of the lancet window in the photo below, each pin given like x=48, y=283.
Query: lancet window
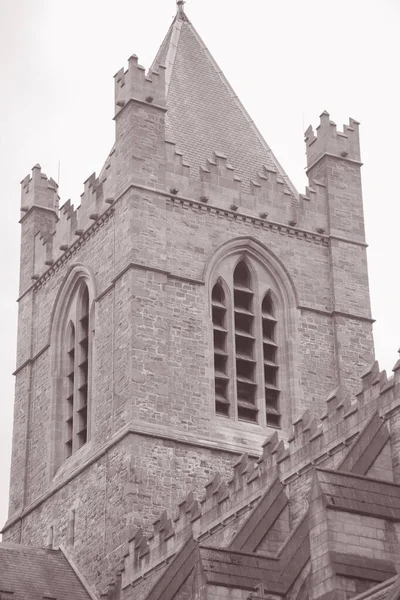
x=76, y=375
x=246, y=347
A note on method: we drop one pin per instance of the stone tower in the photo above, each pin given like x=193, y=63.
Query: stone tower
x=193, y=304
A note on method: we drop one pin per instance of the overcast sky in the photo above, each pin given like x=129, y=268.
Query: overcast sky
x=287, y=61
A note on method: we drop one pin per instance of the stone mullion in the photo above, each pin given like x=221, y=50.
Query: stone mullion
x=69, y=389
x=231, y=348
x=259, y=355
x=221, y=354
x=82, y=367
x=76, y=388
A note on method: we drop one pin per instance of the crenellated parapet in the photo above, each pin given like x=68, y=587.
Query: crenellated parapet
x=69, y=223
x=312, y=443
x=273, y=197
x=313, y=207
x=327, y=140
x=219, y=186
x=39, y=190
x=93, y=203
x=268, y=197
x=178, y=179
x=134, y=84
x=175, y=162
x=39, y=216
x=66, y=228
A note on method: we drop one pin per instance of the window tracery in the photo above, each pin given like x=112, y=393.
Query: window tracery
x=246, y=344
x=76, y=376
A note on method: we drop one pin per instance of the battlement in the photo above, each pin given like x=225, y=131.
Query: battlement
x=135, y=84
x=327, y=140
x=39, y=190
x=272, y=196
x=70, y=223
x=217, y=184
x=313, y=442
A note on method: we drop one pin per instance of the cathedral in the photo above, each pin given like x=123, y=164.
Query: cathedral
x=198, y=412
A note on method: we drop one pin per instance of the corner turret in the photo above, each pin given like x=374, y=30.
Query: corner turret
x=140, y=106
x=39, y=208
x=334, y=170
x=39, y=190
x=328, y=140
x=134, y=84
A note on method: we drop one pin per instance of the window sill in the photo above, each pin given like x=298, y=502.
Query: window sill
x=73, y=462
x=243, y=433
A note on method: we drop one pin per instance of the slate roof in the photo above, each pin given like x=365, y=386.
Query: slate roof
x=261, y=519
x=243, y=570
x=35, y=573
x=204, y=113
x=362, y=495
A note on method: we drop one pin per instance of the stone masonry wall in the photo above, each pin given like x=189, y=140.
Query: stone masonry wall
x=154, y=435
x=153, y=356
x=127, y=486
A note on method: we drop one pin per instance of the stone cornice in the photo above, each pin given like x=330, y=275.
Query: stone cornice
x=30, y=361
x=141, y=428
x=139, y=266
x=38, y=207
x=195, y=205
x=334, y=313
x=141, y=102
x=339, y=238
x=349, y=160
x=230, y=214
x=257, y=222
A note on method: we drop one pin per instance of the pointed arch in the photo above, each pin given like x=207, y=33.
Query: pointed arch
x=220, y=341
x=271, y=361
x=241, y=274
x=249, y=247
x=75, y=274
x=71, y=349
x=262, y=352
x=218, y=293
x=267, y=306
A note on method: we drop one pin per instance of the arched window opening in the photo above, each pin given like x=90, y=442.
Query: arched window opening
x=221, y=379
x=241, y=276
x=83, y=316
x=270, y=362
x=76, y=346
x=70, y=385
x=246, y=385
x=251, y=297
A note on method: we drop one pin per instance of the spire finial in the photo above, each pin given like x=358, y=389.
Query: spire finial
x=180, y=9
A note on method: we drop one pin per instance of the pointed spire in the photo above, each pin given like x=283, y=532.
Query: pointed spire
x=200, y=99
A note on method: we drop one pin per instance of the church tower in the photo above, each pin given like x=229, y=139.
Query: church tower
x=192, y=305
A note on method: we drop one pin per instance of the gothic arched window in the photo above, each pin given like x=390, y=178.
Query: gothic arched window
x=246, y=385
x=71, y=344
x=246, y=345
x=220, y=349
x=270, y=362
x=76, y=347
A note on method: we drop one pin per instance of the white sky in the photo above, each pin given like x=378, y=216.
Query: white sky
x=287, y=61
